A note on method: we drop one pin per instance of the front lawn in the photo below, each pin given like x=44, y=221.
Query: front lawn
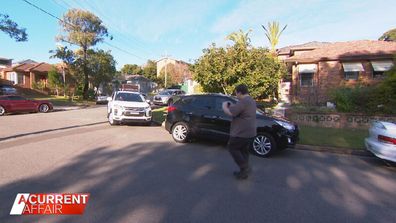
x=64, y=101
x=344, y=138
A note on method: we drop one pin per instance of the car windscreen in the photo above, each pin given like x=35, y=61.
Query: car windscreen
x=165, y=93
x=128, y=97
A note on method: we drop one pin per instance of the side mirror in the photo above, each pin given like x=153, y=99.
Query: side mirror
x=109, y=99
x=148, y=101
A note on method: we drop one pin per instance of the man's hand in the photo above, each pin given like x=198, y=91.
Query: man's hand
x=226, y=109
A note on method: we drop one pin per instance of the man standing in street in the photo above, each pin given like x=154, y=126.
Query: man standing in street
x=243, y=129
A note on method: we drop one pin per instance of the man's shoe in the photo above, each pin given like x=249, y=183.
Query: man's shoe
x=242, y=176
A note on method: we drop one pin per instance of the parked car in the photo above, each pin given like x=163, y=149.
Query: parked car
x=202, y=116
x=165, y=97
x=127, y=106
x=16, y=104
x=7, y=90
x=101, y=99
x=382, y=140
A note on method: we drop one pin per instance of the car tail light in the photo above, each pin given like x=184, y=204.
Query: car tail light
x=387, y=139
x=171, y=108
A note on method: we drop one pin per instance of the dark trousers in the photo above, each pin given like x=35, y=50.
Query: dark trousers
x=239, y=150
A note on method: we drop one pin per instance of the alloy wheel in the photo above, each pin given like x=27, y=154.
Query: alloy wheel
x=262, y=145
x=180, y=133
x=2, y=110
x=44, y=108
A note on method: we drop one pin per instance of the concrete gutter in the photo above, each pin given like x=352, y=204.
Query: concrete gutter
x=337, y=150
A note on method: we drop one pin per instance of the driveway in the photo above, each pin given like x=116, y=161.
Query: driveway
x=138, y=174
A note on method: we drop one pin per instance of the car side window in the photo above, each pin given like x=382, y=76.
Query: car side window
x=203, y=103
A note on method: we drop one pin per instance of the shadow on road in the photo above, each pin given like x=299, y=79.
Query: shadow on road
x=165, y=182
x=50, y=130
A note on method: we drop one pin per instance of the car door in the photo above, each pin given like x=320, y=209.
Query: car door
x=223, y=121
x=201, y=114
x=16, y=103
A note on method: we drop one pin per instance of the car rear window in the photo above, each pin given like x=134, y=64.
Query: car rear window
x=128, y=97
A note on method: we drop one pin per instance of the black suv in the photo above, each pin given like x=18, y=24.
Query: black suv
x=202, y=116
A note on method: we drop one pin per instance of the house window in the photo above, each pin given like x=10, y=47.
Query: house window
x=306, y=72
x=380, y=67
x=351, y=75
x=352, y=70
x=306, y=79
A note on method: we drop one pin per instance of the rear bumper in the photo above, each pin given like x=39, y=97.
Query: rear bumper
x=381, y=150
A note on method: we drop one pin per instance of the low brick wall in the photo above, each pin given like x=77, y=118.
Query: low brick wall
x=336, y=120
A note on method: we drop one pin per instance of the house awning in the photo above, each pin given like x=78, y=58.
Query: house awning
x=352, y=67
x=383, y=65
x=307, y=68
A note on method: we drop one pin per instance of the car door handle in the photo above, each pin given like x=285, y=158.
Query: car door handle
x=189, y=113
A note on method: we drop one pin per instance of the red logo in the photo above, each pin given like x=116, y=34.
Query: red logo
x=49, y=204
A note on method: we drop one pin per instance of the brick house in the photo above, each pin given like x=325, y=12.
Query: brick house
x=26, y=74
x=180, y=69
x=315, y=72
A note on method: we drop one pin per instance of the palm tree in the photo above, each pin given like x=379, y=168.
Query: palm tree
x=240, y=37
x=273, y=34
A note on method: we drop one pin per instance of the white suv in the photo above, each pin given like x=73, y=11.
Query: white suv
x=126, y=106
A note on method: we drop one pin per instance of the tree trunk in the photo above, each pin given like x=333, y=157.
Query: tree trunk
x=85, y=72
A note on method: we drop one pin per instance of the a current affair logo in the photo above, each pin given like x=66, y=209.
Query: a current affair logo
x=49, y=204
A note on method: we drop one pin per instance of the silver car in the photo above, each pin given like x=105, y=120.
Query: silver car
x=165, y=96
x=382, y=140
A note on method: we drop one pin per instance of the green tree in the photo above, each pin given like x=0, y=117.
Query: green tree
x=273, y=33
x=389, y=35
x=221, y=69
x=150, y=70
x=240, y=38
x=102, y=67
x=11, y=28
x=69, y=68
x=55, y=79
x=85, y=30
x=131, y=69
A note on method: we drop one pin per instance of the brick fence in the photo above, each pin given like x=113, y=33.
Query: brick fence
x=336, y=120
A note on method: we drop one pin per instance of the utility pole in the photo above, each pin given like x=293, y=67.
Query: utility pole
x=166, y=57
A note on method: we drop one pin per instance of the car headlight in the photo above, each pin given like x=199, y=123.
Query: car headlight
x=285, y=125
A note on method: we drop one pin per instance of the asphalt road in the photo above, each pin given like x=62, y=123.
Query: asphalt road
x=138, y=174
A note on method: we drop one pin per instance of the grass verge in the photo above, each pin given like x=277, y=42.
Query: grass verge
x=343, y=138
x=64, y=101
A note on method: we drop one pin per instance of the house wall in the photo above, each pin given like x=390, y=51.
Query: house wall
x=329, y=76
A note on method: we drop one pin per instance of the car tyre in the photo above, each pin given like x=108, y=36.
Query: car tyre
x=111, y=119
x=44, y=108
x=263, y=145
x=181, y=132
x=2, y=111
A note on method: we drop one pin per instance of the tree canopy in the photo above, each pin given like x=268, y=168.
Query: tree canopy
x=389, y=35
x=273, y=33
x=220, y=69
x=84, y=29
x=12, y=29
x=131, y=69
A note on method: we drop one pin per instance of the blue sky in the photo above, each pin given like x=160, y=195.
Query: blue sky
x=181, y=29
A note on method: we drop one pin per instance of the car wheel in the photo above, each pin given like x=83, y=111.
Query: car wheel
x=2, y=111
x=44, y=108
x=180, y=132
x=111, y=119
x=263, y=145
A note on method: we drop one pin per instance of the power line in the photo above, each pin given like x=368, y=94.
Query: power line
x=123, y=39
x=59, y=19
